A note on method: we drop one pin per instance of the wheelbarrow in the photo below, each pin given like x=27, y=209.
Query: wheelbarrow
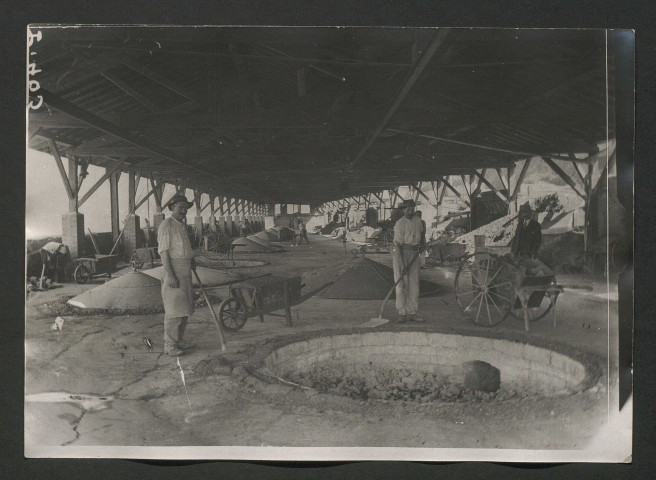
x=92, y=267
x=262, y=296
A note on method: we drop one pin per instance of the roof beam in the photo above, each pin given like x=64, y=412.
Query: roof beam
x=103, y=125
x=163, y=80
x=435, y=43
x=485, y=147
x=130, y=90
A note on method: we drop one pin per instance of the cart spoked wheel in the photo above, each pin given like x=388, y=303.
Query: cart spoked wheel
x=215, y=245
x=232, y=314
x=484, y=290
x=82, y=274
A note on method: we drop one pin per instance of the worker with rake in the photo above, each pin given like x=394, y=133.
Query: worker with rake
x=178, y=260
x=407, y=248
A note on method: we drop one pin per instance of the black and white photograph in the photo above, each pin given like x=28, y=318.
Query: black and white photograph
x=328, y=244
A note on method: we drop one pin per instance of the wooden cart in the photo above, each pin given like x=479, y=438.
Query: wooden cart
x=90, y=267
x=490, y=289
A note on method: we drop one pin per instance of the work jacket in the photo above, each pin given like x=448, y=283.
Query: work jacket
x=527, y=239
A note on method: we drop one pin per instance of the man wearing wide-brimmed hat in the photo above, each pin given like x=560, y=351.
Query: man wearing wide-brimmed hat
x=407, y=244
x=178, y=261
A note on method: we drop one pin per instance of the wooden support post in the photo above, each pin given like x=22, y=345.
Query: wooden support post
x=132, y=191
x=588, y=191
x=113, y=200
x=60, y=166
x=72, y=182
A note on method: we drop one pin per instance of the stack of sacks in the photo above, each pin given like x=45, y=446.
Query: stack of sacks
x=497, y=233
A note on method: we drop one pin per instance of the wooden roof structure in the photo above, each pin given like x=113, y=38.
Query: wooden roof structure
x=310, y=115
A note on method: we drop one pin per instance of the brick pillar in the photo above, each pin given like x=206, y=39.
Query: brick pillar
x=73, y=233
x=222, y=226
x=130, y=240
x=212, y=222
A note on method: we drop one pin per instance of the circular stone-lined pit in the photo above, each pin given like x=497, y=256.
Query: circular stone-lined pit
x=423, y=366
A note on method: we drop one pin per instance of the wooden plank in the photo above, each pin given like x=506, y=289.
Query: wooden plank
x=435, y=43
x=95, y=186
x=60, y=167
x=562, y=174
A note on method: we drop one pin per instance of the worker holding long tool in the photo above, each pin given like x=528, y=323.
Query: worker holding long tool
x=178, y=261
x=407, y=240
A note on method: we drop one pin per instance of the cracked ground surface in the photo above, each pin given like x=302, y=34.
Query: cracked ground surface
x=220, y=404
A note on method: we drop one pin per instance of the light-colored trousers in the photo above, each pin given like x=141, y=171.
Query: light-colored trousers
x=178, y=302
x=174, y=328
x=407, y=290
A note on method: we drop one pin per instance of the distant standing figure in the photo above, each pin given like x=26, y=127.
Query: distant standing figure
x=303, y=231
x=407, y=240
x=178, y=261
x=244, y=227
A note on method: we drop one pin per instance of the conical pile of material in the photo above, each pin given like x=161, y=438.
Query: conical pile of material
x=258, y=240
x=265, y=236
x=132, y=292
x=208, y=276
x=369, y=280
x=248, y=245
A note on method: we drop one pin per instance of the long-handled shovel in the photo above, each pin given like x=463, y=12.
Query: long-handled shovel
x=216, y=320
x=375, y=321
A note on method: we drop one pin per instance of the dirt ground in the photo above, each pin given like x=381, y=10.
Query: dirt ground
x=96, y=382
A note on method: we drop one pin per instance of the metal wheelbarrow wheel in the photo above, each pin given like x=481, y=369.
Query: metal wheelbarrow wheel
x=232, y=314
x=82, y=274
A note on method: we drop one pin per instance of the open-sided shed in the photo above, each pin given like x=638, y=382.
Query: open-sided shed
x=321, y=116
